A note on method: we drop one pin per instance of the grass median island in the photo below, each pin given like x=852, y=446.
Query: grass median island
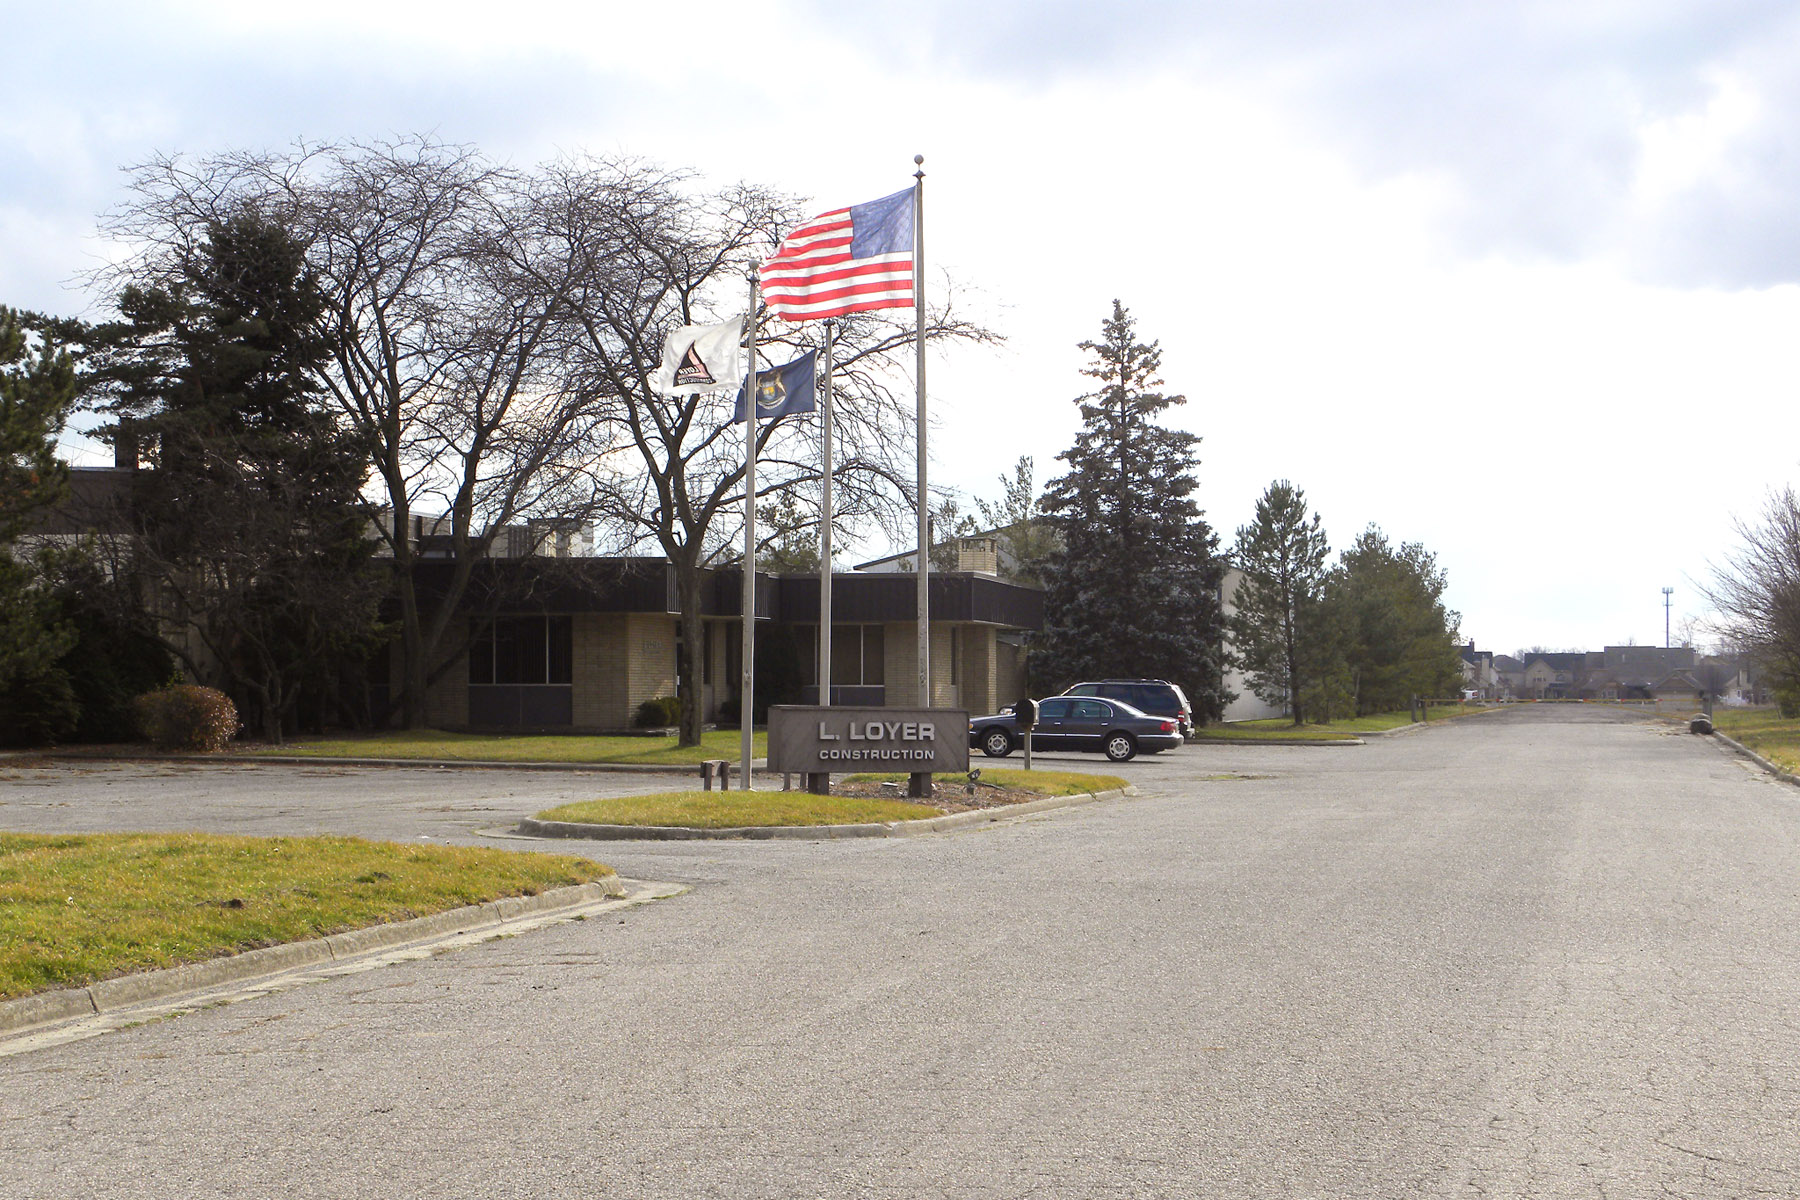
x=1764, y=730
x=737, y=810
x=1042, y=783
x=79, y=908
x=762, y=810
x=499, y=747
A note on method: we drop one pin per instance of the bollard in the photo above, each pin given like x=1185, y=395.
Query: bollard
x=715, y=766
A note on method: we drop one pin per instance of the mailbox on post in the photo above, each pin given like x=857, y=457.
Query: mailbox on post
x=1025, y=715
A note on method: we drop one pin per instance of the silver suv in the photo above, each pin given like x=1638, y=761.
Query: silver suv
x=1157, y=697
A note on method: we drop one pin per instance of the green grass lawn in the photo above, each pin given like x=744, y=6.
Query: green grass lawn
x=499, y=747
x=79, y=908
x=1764, y=730
x=737, y=810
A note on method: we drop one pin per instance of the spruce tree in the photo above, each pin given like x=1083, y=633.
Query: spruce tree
x=37, y=388
x=1132, y=588
x=251, y=516
x=1397, y=638
x=1276, y=629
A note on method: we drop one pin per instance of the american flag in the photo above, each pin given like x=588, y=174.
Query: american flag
x=845, y=261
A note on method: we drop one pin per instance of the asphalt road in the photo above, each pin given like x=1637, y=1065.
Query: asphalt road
x=1546, y=953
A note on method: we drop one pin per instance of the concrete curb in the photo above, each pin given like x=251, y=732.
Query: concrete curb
x=531, y=827
x=149, y=987
x=1780, y=773
x=428, y=764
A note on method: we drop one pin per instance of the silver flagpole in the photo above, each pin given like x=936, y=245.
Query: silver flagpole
x=748, y=714
x=924, y=499
x=825, y=528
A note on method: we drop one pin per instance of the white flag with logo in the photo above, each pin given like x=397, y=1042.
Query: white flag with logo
x=700, y=358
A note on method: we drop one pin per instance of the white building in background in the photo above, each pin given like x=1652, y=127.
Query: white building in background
x=1248, y=706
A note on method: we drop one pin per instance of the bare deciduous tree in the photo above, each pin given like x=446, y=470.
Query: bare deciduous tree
x=442, y=310
x=1756, y=591
x=494, y=331
x=657, y=253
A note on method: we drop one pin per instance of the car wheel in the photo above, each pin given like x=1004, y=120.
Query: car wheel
x=1120, y=747
x=997, y=743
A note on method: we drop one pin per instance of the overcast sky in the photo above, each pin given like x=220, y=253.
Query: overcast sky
x=1514, y=280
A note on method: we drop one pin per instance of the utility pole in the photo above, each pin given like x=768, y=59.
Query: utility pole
x=1667, y=592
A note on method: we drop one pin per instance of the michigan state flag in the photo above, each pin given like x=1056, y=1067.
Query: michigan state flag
x=782, y=390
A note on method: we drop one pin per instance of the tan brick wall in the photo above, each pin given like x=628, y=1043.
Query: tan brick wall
x=901, y=659
x=978, y=670
x=649, y=659
x=1009, y=672
x=598, y=671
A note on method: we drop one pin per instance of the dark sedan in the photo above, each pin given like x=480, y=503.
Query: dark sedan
x=1109, y=727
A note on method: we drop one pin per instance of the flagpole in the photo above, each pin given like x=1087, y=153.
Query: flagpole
x=825, y=528
x=747, y=713
x=924, y=615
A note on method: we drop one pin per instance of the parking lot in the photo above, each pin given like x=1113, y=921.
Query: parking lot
x=1543, y=953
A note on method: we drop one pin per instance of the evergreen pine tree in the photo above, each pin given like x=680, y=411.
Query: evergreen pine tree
x=37, y=389
x=251, y=516
x=1276, y=629
x=1397, y=638
x=1133, y=586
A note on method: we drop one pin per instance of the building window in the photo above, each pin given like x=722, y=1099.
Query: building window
x=523, y=650
x=858, y=655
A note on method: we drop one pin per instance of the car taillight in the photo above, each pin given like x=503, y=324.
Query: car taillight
x=1167, y=727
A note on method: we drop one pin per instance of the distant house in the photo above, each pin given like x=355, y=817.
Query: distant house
x=1553, y=675
x=1479, y=673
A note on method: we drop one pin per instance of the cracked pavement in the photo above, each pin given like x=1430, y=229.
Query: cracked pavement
x=1551, y=952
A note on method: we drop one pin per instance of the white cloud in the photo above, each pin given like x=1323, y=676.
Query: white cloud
x=1505, y=279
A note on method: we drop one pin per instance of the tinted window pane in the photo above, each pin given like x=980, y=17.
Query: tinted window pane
x=533, y=650
x=846, y=654
x=874, y=654
x=481, y=656
x=1054, y=709
x=562, y=650
x=506, y=651
x=1091, y=710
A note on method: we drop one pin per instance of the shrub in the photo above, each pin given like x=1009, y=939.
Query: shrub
x=658, y=712
x=1787, y=698
x=38, y=708
x=185, y=717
